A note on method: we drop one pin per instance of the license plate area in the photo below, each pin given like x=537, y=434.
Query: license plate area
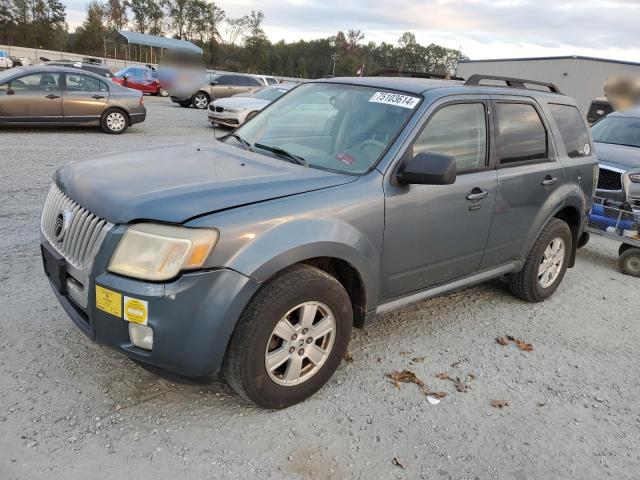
x=55, y=267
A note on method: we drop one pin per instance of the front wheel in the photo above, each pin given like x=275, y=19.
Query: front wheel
x=114, y=121
x=200, y=100
x=163, y=93
x=545, y=265
x=290, y=338
x=629, y=261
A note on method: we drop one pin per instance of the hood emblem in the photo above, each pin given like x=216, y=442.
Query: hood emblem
x=60, y=227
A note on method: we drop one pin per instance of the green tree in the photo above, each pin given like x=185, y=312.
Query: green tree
x=89, y=38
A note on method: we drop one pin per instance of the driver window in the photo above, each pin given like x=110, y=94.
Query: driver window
x=459, y=131
x=37, y=82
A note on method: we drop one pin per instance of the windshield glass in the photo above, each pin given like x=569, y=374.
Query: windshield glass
x=270, y=93
x=617, y=130
x=338, y=127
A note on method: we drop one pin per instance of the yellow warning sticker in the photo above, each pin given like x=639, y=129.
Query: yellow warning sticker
x=136, y=311
x=109, y=301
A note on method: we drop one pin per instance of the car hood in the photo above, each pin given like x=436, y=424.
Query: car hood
x=620, y=156
x=176, y=183
x=238, y=102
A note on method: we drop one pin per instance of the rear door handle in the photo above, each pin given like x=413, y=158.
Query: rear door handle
x=477, y=194
x=549, y=180
x=97, y=97
x=51, y=96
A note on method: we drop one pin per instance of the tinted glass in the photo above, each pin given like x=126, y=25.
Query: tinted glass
x=37, y=81
x=271, y=81
x=521, y=134
x=225, y=80
x=253, y=82
x=618, y=131
x=459, y=131
x=82, y=83
x=337, y=127
x=270, y=93
x=572, y=129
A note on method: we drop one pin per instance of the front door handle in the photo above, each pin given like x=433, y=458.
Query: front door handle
x=477, y=194
x=549, y=180
x=51, y=96
x=97, y=97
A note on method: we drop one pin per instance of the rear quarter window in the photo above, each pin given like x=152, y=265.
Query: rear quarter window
x=521, y=134
x=572, y=130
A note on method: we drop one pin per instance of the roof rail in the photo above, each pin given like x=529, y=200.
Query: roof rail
x=475, y=79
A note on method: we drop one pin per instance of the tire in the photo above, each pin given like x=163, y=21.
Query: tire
x=254, y=338
x=528, y=284
x=629, y=261
x=583, y=240
x=162, y=93
x=624, y=247
x=114, y=121
x=200, y=100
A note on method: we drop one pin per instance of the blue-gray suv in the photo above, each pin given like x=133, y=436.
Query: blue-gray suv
x=344, y=199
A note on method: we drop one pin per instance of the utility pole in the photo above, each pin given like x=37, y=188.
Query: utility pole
x=334, y=57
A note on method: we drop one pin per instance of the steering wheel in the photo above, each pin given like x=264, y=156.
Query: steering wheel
x=372, y=143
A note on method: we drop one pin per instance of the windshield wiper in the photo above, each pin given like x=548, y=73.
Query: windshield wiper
x=283, y=153
x=239, y=139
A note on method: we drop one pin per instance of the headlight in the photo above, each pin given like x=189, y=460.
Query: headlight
x=159, y=252
x=235, y=110
x=635, y=177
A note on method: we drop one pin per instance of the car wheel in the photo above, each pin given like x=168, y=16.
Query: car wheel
x=546, y=264
x=200, y=100
x=629, y=261
x=114, y=121
x=163, y=93
x=290, y=338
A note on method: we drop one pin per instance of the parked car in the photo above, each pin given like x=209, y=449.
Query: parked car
x=236, y=110
x=631, y=185
x=22, y=61
x=218, y=86
x=41, y=95
x=267, y=80
x=86, y=66
x=5, y=60
x=617, y=144
x=143, y=79
x=258, y=253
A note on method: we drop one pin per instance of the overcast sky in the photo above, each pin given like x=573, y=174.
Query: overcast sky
x=482, y=29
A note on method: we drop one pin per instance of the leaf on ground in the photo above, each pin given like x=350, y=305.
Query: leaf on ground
x=527, y=347
x=541, y=404
x=405, y=354
x=417, y=359
x=459, y=384
x=443, y=376
x=407, y=376
x=397, y=463
x=348, y=357
x=499, y=403
x=502, y=341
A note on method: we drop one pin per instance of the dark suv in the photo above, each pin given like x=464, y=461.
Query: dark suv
x=343, y=199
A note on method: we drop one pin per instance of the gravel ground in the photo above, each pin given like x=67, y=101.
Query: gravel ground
x=70, y=409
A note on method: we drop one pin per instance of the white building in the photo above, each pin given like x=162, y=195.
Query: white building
x=582, y=78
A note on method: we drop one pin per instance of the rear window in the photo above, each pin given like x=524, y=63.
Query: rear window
x=521, y=134
x=572, y=130
x=3, y=54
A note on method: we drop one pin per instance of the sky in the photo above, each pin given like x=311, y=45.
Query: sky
x=480, y=28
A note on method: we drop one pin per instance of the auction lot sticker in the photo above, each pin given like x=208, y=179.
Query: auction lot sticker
x=136, y=311
x=405, y=101
x=109, y=301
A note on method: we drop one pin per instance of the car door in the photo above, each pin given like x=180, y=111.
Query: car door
x=529, y=176
x=36, y=97
x=437, y=233
x=84, y=97
x=224, y=87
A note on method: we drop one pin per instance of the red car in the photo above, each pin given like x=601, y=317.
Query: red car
x=140, y=78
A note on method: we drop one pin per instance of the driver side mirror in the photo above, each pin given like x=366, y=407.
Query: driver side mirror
x=213, y=83
x=428, y=169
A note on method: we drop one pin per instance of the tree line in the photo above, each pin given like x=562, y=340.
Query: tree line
x=228, y=43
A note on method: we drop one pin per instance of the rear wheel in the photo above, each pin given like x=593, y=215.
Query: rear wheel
x=290, y=339
x=163, y=93
x=629, y=261
x=200, y=100
x=545, y=265
x=114, y=121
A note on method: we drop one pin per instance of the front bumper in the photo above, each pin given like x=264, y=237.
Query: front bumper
x=228, y=119
x=192, y=317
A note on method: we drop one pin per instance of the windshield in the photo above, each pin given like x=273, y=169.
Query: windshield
x=617, y=130
x=270, y=93
x=337, y=127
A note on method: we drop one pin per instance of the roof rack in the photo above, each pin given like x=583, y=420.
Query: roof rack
x=511, y=82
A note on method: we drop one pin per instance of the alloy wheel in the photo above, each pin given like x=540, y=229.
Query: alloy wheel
x=552, y=262
x=116, y=121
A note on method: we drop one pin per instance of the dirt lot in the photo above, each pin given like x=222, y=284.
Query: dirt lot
x=70, y=409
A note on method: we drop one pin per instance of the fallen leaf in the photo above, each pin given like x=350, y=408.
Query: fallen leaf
x=437, y=394
x=527, y=347
x=499, y=403
x=443, y=376
x=502, y=341
x=417, y=359
x=397, y=463
x=459, y=384
x=348, y=357
x=541, y=404
x=405, y=354
x=407, y=376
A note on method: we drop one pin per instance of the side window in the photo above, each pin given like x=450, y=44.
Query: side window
x=253, y=82
x=225, y=80
x=459, y=131
x=572, y=129
x=521, y=135
x=42, y=81
x=82, y=83
x=271, y=81
x=103, y=87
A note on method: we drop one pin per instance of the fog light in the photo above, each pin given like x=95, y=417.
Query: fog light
x=141, y=336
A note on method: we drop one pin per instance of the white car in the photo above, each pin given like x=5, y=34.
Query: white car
x=5, y=60
x=267, y=80
x=234, y=111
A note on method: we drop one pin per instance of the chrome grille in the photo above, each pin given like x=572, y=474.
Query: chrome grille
x=609, y=179
x=83, y=231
